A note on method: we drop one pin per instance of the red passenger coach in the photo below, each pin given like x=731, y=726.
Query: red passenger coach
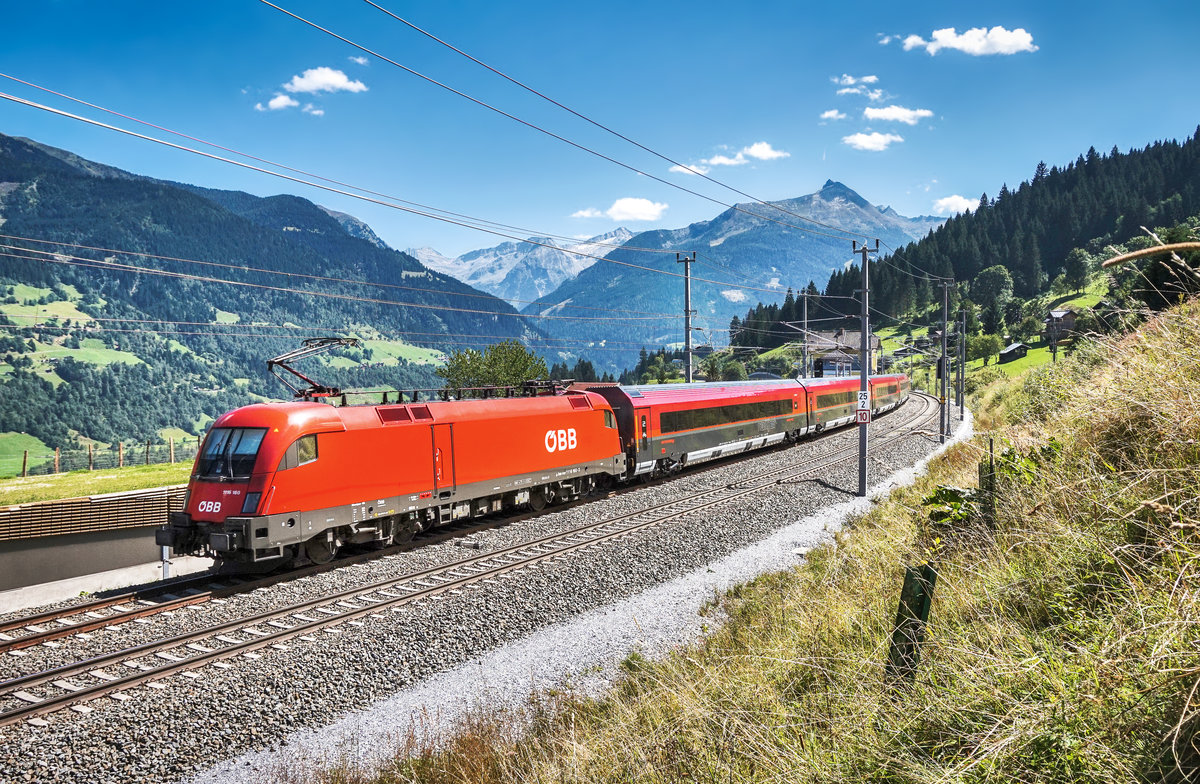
x=298, y=480
x=664, y=427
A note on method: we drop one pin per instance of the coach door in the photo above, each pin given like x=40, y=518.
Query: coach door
x=443, y=460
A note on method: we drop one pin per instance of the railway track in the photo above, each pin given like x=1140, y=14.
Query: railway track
x=91, y=616
x=28, y=697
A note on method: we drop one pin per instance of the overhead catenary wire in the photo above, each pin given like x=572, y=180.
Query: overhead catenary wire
x=84, y=324
x=93, y=263
x=373, y=200
x=285, y=167
x=323, y=278
x=549, y=133
x=604, y=127
x=888, y=261
x=197, y=333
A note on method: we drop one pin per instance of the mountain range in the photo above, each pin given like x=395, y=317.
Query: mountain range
x=522, y=272
x=236, y=278
x=748, y=253
x=100, y=340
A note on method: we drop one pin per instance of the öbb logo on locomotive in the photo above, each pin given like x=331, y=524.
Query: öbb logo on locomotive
x=283, y=483
x=561, y=440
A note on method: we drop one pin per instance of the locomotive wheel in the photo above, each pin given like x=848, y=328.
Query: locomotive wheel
x=537, y=499
x=319, y=550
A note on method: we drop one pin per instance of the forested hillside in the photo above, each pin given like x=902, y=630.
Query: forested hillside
x=105, y=344
x=1090, y=203
x=1044, y=236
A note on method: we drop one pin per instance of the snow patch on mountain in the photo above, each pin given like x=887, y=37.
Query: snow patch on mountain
x=522, y=272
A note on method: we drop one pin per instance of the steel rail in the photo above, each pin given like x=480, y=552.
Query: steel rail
x=490, y=565
x=146, y=596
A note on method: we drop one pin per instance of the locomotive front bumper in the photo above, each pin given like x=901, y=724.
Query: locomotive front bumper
x=187, y=536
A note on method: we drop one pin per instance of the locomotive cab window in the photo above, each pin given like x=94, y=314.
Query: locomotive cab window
x=303, y=450
x=229, y=452
x=609, y=419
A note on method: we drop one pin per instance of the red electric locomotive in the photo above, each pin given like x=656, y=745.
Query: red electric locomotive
x=293, y=482
x=296, y=481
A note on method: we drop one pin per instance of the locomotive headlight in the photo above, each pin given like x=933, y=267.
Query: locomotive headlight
x=250, y=505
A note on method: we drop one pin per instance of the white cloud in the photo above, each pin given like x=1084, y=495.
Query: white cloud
x=734, y=295
x=872, y=95
x=976, y=41
x=897, y=114
x=725, y=160
x=590, y=212
x=632, y=208
x=874, y=142
x=833, y=114
x=953, y=204
x=359, y=60
x=314, y=111
x=324, y=80
x=847, y=80
x=884, y=40
x=280, y=101
x=763, y=151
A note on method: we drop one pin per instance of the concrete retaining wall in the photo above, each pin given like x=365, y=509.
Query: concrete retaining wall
x=25, y=562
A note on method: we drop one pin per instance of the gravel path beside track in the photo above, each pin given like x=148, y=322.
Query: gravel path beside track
x=171, y=733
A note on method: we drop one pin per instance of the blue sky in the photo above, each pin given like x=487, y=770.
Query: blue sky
x=897, y=100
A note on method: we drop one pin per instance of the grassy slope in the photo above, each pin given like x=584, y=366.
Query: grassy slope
x=80, y=483
x=1061, y=647
x=12, y=452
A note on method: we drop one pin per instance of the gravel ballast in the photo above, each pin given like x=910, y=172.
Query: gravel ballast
x=565, y=622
